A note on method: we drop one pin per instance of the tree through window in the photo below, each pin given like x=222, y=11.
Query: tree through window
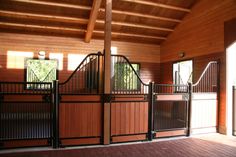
x=125, y=78
x=40, y=71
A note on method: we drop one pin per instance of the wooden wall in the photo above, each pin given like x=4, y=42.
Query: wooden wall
x=147, y=55
x=201, y=37
x=201, y=32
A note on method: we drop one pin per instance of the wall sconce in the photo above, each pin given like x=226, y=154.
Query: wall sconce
x=41, y=54
x=181, y=54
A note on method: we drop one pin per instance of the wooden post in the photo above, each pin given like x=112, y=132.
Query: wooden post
x=107, y=71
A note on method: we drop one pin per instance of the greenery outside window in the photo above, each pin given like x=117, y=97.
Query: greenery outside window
x=40, y=71
x=125, y=78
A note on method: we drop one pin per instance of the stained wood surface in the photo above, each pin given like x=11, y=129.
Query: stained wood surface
x=80, y=120
x=129, y=118
x=136, y=21
x=201, y=32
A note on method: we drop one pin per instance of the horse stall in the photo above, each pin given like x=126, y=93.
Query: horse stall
x=80, y=104
x=204, y=100
x=171, y=110
x=71, y=113
x=129, y=102
x=25, y=114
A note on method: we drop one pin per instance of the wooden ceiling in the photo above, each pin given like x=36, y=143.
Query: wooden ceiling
x=144, y=21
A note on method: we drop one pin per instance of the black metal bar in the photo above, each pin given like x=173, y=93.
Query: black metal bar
x=189, y=109
x=150, y=111
x=55, y=114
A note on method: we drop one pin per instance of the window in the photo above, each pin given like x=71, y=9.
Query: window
x=16, y=59
x=125, y=78
x=40, y=71
x=182, y=72
x=59, y=57
x=74, y=60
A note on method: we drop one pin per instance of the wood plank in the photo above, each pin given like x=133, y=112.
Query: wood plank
x=107, y=70
x=76, y=120
x=133, y=35
x=138, y=25
x=25, y=143
x=57, y=28
x=170, y=133
x=41, y=27
x=82, y=141
x=55, y=4
x=23, y=98
x=43, y=16
x=155, y=4
x=128, y=138
x=155, y=17
x=130, y=13
x=92, y=19
x=81, y=98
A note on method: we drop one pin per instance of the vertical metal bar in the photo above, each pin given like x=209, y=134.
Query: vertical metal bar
x=189, y=109
x=98, y=72
x=150, y=111
x=55, y=114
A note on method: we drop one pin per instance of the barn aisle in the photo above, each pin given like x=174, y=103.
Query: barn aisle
x=214, y=145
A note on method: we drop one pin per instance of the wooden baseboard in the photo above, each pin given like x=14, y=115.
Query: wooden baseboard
x=128, y=138
x=24, y=143
x=170, y=133
x=82, y=141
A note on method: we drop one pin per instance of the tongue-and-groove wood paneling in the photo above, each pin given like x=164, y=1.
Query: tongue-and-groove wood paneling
x=147, y=55
x=201, y=36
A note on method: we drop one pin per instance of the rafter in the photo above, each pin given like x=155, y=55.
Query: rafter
x=76, y=20
x=155, y=4
x=146, y=16
x=41, y=27
x=10, y=24
x=43, y=16
x=138, y=26
x=102, y=9
x=92, y=19
x=56, y=4
x=133, y=35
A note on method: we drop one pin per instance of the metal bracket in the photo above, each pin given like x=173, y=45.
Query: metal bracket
x=107, y=98
x=1, y=99
x=153, y=135
x=145, y=97
x=47, y=98
x=1, y=145
x=185, y=97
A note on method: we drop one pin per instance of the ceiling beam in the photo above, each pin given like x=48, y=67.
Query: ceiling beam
x=9, y=24
x=76, y=20
x=102, y=9
x=56, y=4
x=43, y=16
x=133, y=35
x=138, y=26
x=145, y=16
x=92, y=20
x=156, y=4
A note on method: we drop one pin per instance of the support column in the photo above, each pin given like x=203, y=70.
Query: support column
x=107, y=71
